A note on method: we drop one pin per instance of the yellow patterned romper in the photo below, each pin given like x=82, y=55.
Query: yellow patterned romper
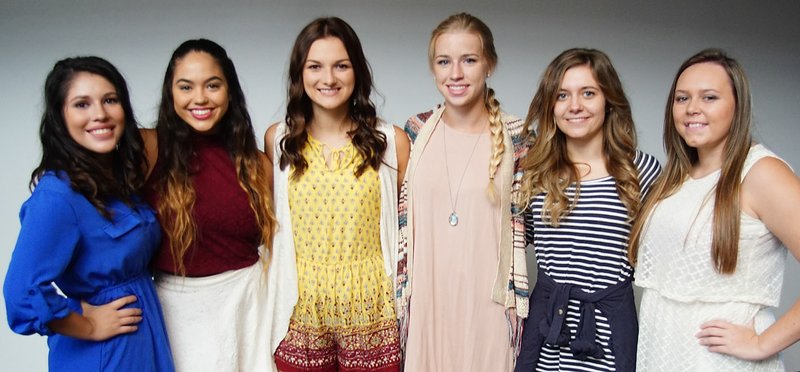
x=345, y=317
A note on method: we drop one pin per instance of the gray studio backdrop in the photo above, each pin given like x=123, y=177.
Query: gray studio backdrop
x=647, y=40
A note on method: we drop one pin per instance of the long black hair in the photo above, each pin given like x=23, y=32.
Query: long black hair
x=172, y=176
x=86, y=171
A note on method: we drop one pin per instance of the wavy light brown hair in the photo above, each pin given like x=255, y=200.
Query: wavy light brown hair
x=547, y=166
x=366, y=138
x=681, y=157
x=172, y=175
x=464, y=22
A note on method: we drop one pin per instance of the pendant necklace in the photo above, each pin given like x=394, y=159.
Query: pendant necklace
x=453, y=218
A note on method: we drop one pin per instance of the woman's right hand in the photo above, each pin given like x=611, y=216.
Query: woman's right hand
x=99, y=323
x=111, y=319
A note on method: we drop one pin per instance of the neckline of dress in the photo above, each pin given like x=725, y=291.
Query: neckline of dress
x=317, y=143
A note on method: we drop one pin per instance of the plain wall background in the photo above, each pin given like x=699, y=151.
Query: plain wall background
x=646, y=40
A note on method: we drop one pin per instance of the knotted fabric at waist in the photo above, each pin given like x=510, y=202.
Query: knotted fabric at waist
x=553, y=325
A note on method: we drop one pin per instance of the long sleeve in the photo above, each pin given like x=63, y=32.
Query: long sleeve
x=47, y=241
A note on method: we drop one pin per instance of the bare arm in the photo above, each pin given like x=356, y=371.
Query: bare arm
x=269, y=150
x=403, y=148
x=99, y=323
x=150, y=139
x=771, y=193
x=266, y=163
x=269, y=140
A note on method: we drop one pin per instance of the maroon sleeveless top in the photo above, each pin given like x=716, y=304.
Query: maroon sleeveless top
x=227, y=234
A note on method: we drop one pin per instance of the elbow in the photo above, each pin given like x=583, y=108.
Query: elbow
x=29, y=310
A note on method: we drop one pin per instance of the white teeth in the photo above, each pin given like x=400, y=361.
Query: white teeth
x=694, y=125
x=201, y=112
x=100, y=131
x=329, y=90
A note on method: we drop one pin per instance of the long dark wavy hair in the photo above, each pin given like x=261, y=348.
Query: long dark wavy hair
x=88, y=173
x=681, y=157
x=172, y=175
x=366, y=138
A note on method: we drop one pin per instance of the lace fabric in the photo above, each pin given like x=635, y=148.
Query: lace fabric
x=683, y=289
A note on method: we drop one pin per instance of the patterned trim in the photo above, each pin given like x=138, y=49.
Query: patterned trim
x=282, y=291
x=362, y=348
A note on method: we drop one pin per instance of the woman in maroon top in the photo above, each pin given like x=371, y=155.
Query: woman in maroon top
x=210, y=188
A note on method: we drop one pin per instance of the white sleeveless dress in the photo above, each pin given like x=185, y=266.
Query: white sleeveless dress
x=682, y=289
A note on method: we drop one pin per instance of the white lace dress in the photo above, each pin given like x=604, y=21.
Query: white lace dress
x=682, y=289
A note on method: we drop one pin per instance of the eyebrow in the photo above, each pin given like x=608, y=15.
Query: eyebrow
x=182, y=80
x=86, y=97
x=335, y=62
x=701, y=90
x=461, y=56
x=78, y=98
x=585, y=87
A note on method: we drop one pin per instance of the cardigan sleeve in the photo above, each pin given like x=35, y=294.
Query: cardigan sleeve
x=47, y=241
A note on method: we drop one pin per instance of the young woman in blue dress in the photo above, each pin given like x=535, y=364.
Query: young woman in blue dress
x=86, y=231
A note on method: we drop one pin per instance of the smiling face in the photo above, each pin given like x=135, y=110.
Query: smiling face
x=199, y=91
x=93, y=113
x=704, y=106
x=328, y=77
x=580, y=106
x=460, y=68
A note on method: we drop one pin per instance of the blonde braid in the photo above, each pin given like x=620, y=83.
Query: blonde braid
x=496, y=129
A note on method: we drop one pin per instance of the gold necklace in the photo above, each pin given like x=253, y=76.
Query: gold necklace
x=453, y=218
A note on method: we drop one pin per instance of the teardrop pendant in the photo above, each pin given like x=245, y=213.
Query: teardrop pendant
x=453, y=219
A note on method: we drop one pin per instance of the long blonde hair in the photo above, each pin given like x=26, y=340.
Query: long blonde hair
x=469, y=23
x=681, y=157
x=547, y=167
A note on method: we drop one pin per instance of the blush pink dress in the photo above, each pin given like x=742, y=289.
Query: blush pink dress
x=453, y=324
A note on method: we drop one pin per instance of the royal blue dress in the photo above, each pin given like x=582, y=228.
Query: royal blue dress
x=66, y=241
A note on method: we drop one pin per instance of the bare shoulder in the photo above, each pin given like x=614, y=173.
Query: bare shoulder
x=770, y=186
x=770, y=173
x=269, y=140
x=771, y=193
x=401, y=138
x=269, y=135
x=150, y=140
x=149, y=135
x=403, y=149
x=402, y=146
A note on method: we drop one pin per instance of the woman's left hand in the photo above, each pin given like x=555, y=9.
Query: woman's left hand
x=736, y=340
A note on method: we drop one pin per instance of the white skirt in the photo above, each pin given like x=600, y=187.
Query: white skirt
x=217, y=323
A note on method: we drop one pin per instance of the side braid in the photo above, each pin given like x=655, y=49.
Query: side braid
x=496, y=129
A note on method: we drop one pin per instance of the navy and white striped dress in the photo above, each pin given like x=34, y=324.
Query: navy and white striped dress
x=587, y=250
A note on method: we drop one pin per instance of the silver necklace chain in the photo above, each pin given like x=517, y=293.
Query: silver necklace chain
x=453, y=218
